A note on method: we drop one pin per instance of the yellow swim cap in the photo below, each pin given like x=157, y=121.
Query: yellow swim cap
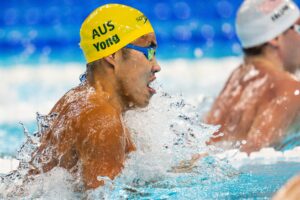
x=109, y=28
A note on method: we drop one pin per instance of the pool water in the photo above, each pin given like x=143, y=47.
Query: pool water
x=248, y=182
x=252, y=182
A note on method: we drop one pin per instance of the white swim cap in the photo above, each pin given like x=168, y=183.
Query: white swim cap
x=259, y=21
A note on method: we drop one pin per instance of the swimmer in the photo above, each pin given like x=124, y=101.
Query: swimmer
x=260, y=101
x=88, y=136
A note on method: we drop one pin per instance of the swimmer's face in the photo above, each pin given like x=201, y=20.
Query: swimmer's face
x=135, y=72
x=289, y=48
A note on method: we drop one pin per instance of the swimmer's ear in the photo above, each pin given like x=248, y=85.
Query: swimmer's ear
x=110, y=59
x=274, y=42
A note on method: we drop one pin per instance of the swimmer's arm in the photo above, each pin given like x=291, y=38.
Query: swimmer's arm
x=101, y=147
x=290, y=191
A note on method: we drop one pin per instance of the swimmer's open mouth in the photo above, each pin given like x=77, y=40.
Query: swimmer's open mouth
x=150, y=87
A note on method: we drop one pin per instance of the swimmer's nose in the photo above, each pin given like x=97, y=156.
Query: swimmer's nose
x=156, y=67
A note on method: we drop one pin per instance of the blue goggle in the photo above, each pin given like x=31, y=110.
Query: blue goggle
x=149, y=52
x=296, y=28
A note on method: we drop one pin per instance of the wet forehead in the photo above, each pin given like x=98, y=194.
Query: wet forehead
x=146, y=40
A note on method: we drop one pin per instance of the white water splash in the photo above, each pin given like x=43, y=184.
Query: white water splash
x=168, y=131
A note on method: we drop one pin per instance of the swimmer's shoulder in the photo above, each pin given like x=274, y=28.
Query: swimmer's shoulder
x=246, y=74
x=75, y=97
x=83, y=106
x=97, y=108
x=246, y=77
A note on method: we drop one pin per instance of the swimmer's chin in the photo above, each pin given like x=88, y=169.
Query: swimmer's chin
x=139, y=104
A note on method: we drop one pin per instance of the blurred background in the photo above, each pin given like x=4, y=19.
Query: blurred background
x=40, y=58
x=32, y=31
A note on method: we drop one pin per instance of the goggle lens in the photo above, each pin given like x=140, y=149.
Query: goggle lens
x=149, y=52
x=296, y=28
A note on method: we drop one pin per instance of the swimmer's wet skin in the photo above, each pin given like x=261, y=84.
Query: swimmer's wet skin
x=290, y=191
x=260, y=102
x=88, y=134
